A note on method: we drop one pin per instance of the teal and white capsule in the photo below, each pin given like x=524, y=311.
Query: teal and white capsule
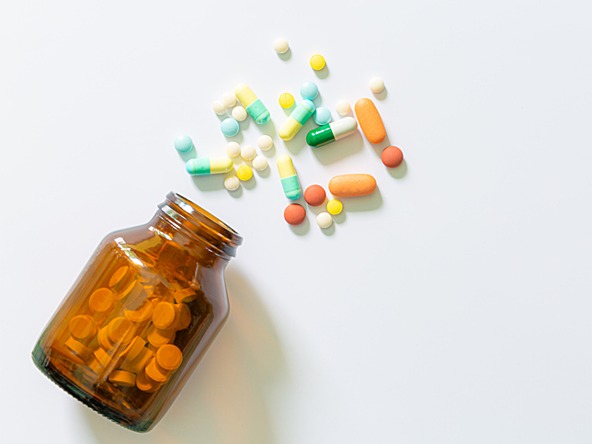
x=297, y=119
x=290, y=182
x=205, y=166
x=331, y=132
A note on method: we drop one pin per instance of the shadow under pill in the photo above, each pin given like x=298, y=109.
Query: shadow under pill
x=236, y=193
x=191, y=154
x=268, y=129
x=245, y=124
x=323, y=73
x=340, y=218
x=209, y=183
x=250, y=184
x=335, y=151
x=265, y=173
x=286, y=55
x=302, y=229
x=270, y=152
x=382, y=95
x=400, y=171
x=330, y=231
x=362, y=203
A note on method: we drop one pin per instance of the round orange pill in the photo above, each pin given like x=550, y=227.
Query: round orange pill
x=158, y=337
x=145, y=384
x=163, y=315
x=315, y=195
x=294, y=214
x=169, y=357
x=155, y=373
x=101, y=300
x=392, y=156
x=141, y=314
x=117, y=277
x=121, y=330
x=122, y=378
x=82, y=327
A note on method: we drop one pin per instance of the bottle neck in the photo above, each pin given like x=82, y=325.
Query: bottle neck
x=200, y=225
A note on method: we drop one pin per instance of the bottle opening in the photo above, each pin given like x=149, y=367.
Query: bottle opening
x=223, y=239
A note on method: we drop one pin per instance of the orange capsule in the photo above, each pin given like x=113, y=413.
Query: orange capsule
x=352, y=185
x=370, y=120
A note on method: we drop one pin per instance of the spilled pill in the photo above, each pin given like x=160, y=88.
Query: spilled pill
x=392, y=156
x=294, y=214
x=183, y=144
x=297, y=119
x=370, y=120
x=352, y=185
x=208, y=165
x=331, y=132
x=229, y=127
x=315, y=195
x=252, y=104
x=290, y=182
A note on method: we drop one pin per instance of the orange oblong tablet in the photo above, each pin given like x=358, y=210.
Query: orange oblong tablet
x=370, y=120
x=352, y=185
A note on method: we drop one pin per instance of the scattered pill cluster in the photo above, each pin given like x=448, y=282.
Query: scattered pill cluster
x=243, y=102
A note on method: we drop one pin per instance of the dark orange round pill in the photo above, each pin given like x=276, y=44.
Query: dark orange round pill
x=315, y=195
x=294, y=214
x=392, y=156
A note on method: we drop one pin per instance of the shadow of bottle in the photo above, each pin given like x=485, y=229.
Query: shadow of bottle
x=225, y=400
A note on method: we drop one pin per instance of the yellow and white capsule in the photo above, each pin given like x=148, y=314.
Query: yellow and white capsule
x=208, y=165
x=297, y=119
x=290, y=182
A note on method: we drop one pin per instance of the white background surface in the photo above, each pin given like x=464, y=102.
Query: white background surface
x=451, y=307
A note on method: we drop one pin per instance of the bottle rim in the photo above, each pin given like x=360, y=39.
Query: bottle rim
x=221, y=238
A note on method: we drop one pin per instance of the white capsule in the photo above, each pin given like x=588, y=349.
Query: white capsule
x=231, y=183
x=343, y=108
x=324, y=220
x=233, y=150
x=281, y=46
x=239, y=113
x=265, y=142
x=260, y=163
x=218, y=107
x=248, y=152
x=229, y=99
x=376, y=85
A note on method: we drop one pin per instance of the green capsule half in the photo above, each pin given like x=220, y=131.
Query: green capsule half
x=331, y=132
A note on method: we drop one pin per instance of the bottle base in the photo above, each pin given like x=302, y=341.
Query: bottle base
x=43, y=363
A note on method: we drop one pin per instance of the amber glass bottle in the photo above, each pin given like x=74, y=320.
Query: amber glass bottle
x=143, y=311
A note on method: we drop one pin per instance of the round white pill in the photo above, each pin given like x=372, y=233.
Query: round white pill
x=228, y=100
x=231, y=183
x=376, y=85
x=260, y=163
x=281, y=46
x=343, y=108
x=248, y=152
x=265, y=142
x=324, y=220
x=218, y=107
x=233, y=149
x=239, y=113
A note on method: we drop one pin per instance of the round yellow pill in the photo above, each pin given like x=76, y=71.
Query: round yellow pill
x=334, y=207
x=101, y=300
x=244, y=172
x=317, y=62
x=286, y=100
x=169, y=357
x=82, y=327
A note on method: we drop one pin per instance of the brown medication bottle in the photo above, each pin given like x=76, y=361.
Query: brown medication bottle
x=142, y=313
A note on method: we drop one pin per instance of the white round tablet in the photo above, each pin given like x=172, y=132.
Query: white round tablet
x=260, y=163
x=324, y=220
x=376, y=85
x=239, y=113
x=248, y=152
x=218, y=107
x=231, y=183
x=229, y=99
x=343, y=108
x=265, y=142
x=281, y=46
x=233, y=149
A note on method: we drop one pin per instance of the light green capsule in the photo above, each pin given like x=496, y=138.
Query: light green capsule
x=208, y=165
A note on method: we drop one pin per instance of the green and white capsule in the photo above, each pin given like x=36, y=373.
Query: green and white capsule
x=331, y=132
x=208, y=165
